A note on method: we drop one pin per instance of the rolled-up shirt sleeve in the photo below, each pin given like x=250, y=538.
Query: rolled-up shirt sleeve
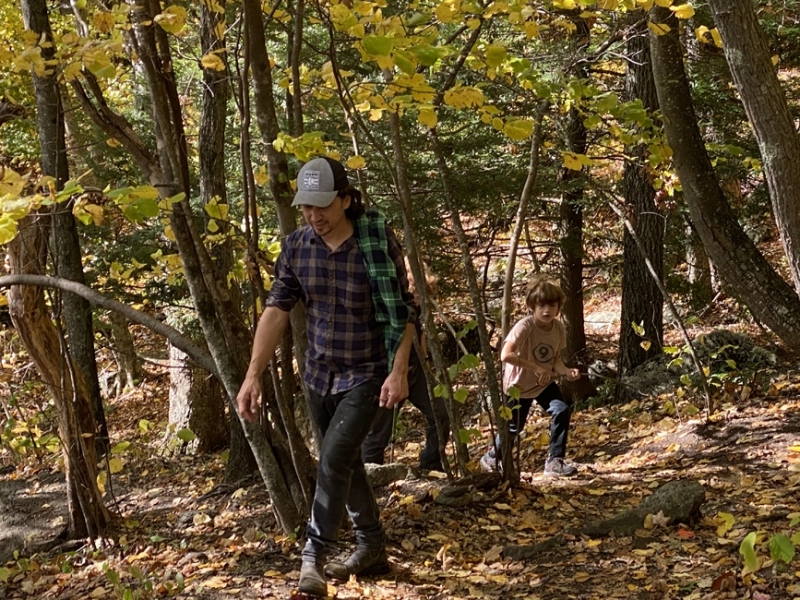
x=286, y=290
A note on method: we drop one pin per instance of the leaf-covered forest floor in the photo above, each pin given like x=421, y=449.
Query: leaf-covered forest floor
x=177, y=521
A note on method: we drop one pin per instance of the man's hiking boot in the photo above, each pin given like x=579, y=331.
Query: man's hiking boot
x=489, y=462
x=312, y=581
x=364, y=561
x=556, y=467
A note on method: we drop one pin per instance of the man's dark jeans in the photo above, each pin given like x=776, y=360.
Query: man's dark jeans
x=343, y=420
x=381, y=431
x=550, y=399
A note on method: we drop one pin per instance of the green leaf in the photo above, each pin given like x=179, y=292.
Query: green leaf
x=377, y=45
x=404, y=62
x=469, y=361
x=748, y=552
x=439, y=391
x=467, y=435
x=186, y=435
x=731, y=363
x=781, y=548
x=638, y=328
x=513, y=392
x=4, y=574
x=685, y=380
x=147, y=207
x=671, y=350
x=127, y=594
x=157, y=538
x=121, y=447
x=495, y=55
x=460, y=395
x=113, y=576
x=453, y=371
x=427, y=55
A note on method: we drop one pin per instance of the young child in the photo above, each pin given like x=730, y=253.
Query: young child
x=531, y=362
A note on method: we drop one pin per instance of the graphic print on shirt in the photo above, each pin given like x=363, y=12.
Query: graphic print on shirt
x=544, y=353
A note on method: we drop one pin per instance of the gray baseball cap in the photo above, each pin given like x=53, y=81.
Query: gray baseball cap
x=319, y=181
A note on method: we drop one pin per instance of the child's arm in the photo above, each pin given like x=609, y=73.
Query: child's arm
x=509, y=355
x=569, y=374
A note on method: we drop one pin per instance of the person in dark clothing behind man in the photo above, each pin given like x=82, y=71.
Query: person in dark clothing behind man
x=373, y=449
x=347, y=268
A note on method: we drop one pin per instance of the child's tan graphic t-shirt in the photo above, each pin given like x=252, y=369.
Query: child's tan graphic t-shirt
x=537, y=345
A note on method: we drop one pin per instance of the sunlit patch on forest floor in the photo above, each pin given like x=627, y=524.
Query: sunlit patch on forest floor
x=182, y=534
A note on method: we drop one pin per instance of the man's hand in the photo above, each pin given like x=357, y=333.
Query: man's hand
x=394, y=390
x=248, y=398
x=572, y=374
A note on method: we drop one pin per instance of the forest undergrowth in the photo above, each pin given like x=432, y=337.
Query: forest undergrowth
x=181, y=533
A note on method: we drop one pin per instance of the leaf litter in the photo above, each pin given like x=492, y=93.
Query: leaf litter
x=181, y=533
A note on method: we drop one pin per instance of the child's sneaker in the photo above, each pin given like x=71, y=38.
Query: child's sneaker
x=556, y=467
x=489, y=462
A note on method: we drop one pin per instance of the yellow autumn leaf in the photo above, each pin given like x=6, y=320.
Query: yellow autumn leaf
x=664, y=3
x=172, y=19
x=795, y=448
x=427, y=116
x=575, y=161
x=115, y=465
x=700, y=33
x=716, y=37
x=213, y=62
x=97, y=213
x=683, y=11
x=531, y=29
x=658, y=28
x=113, y=142
x=518, y=129
x=102, y=479
x=582, y=576
x=726, y=522
x=497, y=123
x=646, y=345
x=12, y=183
x=607, y=4
x=103, y=21
x=444, y=12
x=356, y=162
x=775, y=60
x=463, y=97
x=260, y=175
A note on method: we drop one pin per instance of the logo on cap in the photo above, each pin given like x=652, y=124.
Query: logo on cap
x=311, y=180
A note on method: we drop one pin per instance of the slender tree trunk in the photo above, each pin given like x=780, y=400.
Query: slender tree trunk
x=571, y=223
x=641, y=299
x=27, y=252
x=211, y=154
x=521, y=220
x=741, y=265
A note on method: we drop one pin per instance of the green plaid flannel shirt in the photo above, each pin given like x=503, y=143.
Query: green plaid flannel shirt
x=391, y=312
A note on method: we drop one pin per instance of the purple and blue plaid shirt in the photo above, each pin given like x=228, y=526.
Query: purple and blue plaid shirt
x=345, y=342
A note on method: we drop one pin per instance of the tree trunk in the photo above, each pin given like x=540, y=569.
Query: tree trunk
x=196, y=403
x=211, y=154
x=741, y=265
x=642, y=303
x=129, y=368
x=27, y=253
x=571, y=224
x=756, y=79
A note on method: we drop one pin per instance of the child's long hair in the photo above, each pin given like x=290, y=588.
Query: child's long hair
x=544, y=291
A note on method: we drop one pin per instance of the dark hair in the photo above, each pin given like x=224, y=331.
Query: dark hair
x=356, y=208
x=543, y=291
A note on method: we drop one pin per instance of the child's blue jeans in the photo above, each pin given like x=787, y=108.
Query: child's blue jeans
x=560, y=412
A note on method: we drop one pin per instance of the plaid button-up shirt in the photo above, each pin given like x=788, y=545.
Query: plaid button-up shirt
x=345, y=342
